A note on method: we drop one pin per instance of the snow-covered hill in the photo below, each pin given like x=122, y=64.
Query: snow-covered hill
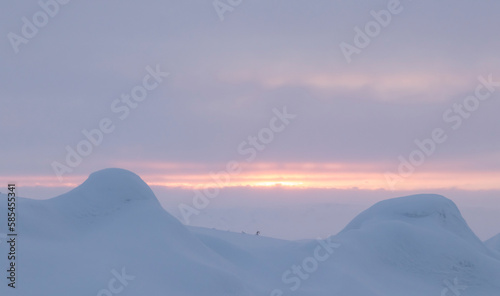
x=110, y=236
x=494, y=243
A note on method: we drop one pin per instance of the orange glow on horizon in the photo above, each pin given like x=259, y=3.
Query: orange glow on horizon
x=289, y=175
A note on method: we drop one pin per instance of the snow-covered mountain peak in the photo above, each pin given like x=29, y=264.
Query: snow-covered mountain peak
x=112, y=224
x=104, y=192
x=429, y=212
x=411, y=209
x=124, y=185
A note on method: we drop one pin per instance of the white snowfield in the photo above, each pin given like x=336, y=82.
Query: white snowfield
x=110, y=236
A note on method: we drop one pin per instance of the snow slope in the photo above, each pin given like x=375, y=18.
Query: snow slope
x=80, y=242
x=494, y=243
x=70, y=245
x=420, y=241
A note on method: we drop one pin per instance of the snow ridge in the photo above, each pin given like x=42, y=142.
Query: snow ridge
x=113, y=223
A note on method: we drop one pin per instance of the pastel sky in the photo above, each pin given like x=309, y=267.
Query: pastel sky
x=349, y=125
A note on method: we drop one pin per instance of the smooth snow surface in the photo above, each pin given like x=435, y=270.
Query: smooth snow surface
x=494, y=243
x=80, y=242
